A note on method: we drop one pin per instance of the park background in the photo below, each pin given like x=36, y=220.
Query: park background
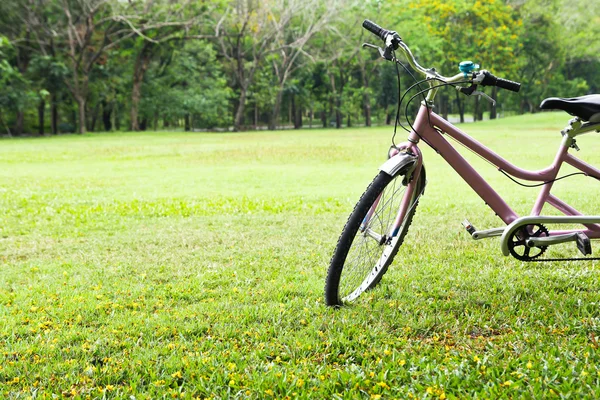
x=170, y=264
x=99, y=65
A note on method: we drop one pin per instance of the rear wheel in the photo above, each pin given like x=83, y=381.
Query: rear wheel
x=366, y=246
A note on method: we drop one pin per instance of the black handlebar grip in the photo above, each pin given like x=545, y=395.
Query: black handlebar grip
x=490, y=79
x=375, y=29
x=508, y=85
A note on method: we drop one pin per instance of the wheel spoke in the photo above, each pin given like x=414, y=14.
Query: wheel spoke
x=367, y=258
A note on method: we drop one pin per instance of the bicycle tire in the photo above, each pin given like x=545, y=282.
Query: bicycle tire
x=370, y=274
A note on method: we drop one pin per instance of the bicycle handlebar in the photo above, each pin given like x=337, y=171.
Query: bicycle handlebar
x=488, y=78
x=375, y=29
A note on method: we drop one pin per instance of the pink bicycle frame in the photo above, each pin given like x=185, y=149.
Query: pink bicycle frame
x=432, y=128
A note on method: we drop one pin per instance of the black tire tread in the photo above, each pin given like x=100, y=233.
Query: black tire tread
x=348, y=234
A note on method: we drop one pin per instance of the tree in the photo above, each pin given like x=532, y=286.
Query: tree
x=250, y=30
x=287, y=48
x=484, y=31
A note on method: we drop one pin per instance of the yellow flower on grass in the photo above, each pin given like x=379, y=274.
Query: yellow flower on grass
x=402, y=363
x=529, y=365
x=177, y=375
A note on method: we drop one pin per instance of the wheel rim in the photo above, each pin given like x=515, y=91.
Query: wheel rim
x=367, y=256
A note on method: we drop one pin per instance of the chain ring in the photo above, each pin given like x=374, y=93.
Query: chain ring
x=519, y=239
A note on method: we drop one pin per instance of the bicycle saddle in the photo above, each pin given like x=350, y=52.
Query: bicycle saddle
x=585, y=107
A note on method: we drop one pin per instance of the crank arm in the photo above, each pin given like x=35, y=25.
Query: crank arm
x=550, y=240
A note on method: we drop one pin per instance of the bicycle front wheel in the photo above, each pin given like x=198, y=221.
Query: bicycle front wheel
x=368, y=243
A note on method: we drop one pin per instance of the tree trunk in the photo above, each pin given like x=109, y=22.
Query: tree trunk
x=338, y=103
x=53, y=114
x=388, y=116
x=493, y=113
x=106, y=112
x=135, y=102
x=324, y=118
x=155, y=122
x=41, y=109
x=461, y=108
x=367, y=110
x=335, y=99
x=293, y=111
x=256, y=116
x=187, y=122
x=81, y=106
x=239, y=114
x=298, y=118
x=143, y=124
x=311, y=115
x=117, y=118
x=476, y=108
x=276, y=110
x=19, y=123
x=94, y=117
x=444, y=107
x=349, y=123
x=139, y=71
x=366, y=97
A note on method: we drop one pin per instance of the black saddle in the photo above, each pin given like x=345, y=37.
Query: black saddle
x=583, y=107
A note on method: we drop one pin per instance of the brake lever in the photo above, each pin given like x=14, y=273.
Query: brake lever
x=472, y=91
x=387, y=53
x=485, y=96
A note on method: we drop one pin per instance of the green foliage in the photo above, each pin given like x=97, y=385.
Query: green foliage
x=15, y=89
x=551, y=46
x=192, y=84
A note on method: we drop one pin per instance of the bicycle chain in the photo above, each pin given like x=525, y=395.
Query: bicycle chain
x=564, y=259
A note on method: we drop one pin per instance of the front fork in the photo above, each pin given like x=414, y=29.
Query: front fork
x=404, y=156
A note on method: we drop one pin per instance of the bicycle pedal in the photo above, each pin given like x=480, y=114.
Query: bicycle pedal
x=469, y=227
x=584, y=244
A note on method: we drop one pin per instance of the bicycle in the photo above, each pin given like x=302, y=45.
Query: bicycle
x=380, y=220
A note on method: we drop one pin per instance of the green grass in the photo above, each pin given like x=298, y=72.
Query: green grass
x=192, y=265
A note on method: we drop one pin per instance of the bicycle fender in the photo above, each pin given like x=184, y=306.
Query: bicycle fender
x=399, y=162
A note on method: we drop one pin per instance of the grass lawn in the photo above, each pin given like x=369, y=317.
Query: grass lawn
x=168, y=265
